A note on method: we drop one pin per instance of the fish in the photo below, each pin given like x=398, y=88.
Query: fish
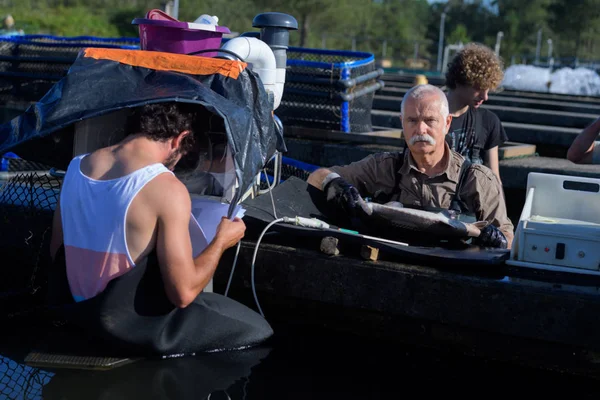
x=442, y=225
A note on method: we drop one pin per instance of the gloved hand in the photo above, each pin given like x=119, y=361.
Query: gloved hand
x=491, y=236
x=344, y=196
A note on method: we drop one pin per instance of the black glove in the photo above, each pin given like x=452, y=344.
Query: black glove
x=491, y=236
x=345, y=197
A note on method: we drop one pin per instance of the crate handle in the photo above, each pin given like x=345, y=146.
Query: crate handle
x=581, y=186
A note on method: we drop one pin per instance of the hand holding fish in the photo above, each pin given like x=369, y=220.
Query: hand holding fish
x=345, y=196
x=491, y=236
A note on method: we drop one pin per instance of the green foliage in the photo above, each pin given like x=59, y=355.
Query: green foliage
x=71, y=21
x=121, y=20
x=521, y=22
x=459, y=35
x=577, y=20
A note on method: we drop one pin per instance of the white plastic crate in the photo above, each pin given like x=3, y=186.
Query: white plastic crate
x=559, y=227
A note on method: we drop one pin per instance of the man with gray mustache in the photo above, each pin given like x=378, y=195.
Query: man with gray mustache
x=421, y=138
x=429, y=175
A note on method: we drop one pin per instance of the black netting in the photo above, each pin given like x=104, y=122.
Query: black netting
x=322, y=108
x=32, y=193
x=53, y=47
x=338, y=62
x=17, y=89
x=324, y=56
x=320, y=91
x=21, y=165
x=29, y=66
x=333, y=73
x=287, y=171
x=21, y=382
x=27, y=203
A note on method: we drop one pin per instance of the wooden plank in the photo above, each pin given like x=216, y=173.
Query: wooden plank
x=369, y=253
x=514, y=149
x=390, y=133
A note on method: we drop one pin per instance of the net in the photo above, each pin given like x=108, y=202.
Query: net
x=31, y=64
x=289, y=168
x=27, y=203
x=21, y=382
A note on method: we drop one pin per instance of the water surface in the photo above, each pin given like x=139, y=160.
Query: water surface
x=297, y=364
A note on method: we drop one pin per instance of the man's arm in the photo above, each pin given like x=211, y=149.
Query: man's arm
x=185, y=277
x=56, y=239
x=581, y=150
x=483, y=192
x=372, y=173
x=317, y=177
x=492, y=161
x=495, y=138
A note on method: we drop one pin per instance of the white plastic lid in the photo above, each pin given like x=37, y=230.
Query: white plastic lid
x=207, y=19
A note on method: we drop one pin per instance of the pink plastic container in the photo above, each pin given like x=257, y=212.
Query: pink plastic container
x=158, y=33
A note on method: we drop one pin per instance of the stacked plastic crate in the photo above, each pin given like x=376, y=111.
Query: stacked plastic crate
x=329, y=89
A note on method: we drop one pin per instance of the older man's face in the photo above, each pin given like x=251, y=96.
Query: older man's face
x=424, y=127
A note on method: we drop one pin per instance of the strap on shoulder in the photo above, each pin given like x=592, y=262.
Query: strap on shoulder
x=457, y=204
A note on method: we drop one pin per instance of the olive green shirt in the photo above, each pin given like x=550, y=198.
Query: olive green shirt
x=396, y=174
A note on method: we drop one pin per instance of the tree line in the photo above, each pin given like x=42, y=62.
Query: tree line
x=398, y=30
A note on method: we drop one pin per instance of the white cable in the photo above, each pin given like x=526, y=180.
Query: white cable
x=237, y=252
x=277, y=167
x=260, y=238
x=280, y=164
x=308, y=222
x=269, y=186
x=271, y=193
x=254, y=261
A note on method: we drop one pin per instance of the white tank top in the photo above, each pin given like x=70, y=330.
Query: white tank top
x=94, y=229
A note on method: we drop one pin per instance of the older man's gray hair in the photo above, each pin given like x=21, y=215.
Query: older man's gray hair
x=420, y=91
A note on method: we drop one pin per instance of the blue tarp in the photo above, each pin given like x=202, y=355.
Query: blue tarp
x=94, y=87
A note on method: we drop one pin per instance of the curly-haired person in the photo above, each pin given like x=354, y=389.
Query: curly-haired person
x=475, y=132
x=130, y=261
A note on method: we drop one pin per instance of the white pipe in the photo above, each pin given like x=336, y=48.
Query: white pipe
x=256, y=52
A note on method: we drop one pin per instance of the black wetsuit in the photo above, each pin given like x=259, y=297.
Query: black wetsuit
x=134, y=314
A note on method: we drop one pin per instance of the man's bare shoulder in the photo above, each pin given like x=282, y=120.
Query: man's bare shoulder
x=165, y=191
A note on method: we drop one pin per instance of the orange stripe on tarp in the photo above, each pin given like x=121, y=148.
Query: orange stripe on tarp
x=169, y=61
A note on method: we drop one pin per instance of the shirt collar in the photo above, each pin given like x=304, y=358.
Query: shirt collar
x=452, y=170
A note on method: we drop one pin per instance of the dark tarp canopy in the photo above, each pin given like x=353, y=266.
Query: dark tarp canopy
x=102, y=81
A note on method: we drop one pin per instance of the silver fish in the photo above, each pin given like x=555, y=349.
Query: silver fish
x=441, y=224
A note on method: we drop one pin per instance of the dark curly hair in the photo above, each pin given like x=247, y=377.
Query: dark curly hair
x=164, y=121
x=475, y=65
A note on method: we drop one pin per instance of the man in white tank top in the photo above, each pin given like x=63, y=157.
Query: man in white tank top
x=120, y=203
